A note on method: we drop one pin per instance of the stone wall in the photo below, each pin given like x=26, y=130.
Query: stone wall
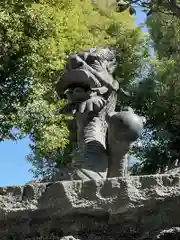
x=140, y=207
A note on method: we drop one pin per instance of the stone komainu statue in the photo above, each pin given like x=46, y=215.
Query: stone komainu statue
x=104, y=136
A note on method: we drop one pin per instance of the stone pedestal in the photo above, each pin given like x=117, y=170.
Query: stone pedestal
x=141, y=207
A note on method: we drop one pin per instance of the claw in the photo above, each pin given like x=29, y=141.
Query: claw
x=175, y=163
x=158, y=171
x=165, y=169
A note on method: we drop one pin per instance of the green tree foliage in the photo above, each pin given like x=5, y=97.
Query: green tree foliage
x=161, y=96
x=36, y=37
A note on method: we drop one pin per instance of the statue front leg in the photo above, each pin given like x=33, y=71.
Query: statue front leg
x=123, y=129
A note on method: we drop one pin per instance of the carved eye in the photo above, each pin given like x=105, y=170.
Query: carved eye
x=75, y=62
x=91, y=59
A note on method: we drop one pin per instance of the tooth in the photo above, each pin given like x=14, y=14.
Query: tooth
x=89, y=106
x=101, y=102
x=82, y=107
x=97, y=103
x=100, y=90
x=73, y=111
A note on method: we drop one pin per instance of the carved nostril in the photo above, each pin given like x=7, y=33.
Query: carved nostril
x=80, y=64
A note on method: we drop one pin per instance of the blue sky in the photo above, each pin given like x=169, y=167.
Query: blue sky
x=14, y=168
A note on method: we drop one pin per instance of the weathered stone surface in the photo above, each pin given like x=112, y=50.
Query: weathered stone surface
x=172, y=233
x=69, y=238
x=91, y=90
x=175, y=170
x=117, y=208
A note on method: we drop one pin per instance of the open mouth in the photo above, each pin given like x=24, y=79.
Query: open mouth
x=77, y=78
x=83, y=91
